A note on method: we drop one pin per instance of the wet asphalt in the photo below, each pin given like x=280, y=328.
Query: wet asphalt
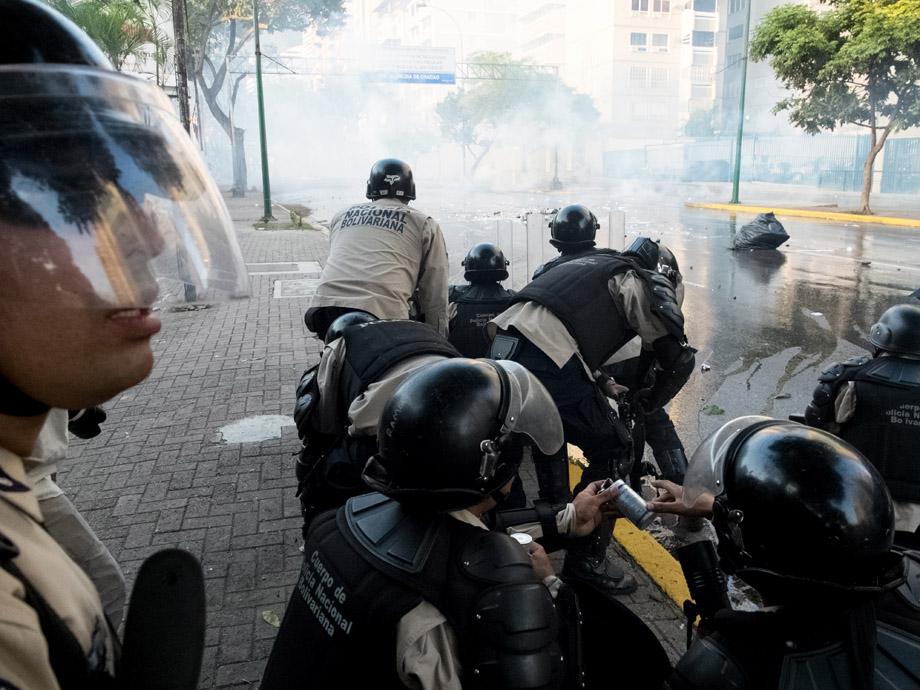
x=765, y=323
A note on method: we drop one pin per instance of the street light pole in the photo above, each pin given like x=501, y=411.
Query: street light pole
x=263, y=144
x=736, y=177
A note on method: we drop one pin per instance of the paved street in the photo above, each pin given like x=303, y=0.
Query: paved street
x=161, y=474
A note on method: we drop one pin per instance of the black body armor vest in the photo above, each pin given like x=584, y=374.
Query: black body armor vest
x=477, y=304
x=373, y=348
x=371, y=562
x=886, y=424
x=561, y=259
x=576, y=292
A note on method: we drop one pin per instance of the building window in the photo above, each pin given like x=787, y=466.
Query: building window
x=735, y=6
x=660, y=43
x=735, y=32
x=638, y=41
x=662, y=6
x=704, y=39
x=659, y=77
x=700, y=91
x=704, y=5
x=638, y=77
x=640, y=5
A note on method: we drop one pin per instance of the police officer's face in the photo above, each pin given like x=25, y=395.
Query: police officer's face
x=61, y=342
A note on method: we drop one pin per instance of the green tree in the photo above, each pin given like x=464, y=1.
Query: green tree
x=856, y=63
x=120, y=28
x=219, y=30
x=511, y=91
x=699, y=124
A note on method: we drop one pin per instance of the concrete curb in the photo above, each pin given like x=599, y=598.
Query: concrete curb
x=805, y=213
x=644, y=549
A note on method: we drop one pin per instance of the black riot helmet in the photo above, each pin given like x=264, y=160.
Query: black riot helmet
x=390, y=178
x=456, y=432
x=485, y=263
x=352, y=318
x=573, y=227
x=898, y=330
x=667, y=265
x=31, y=33
x=797, y=510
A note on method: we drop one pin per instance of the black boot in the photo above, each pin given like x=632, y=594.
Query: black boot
x=553, y=476
x=586, y=562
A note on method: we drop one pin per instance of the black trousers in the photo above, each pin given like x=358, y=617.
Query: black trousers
x=587, y=420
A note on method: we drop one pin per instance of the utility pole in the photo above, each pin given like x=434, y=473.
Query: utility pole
x=736, y=177
x=178, y=17
x=263, y=144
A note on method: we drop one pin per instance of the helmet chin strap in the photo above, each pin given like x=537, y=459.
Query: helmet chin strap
x=16, y=403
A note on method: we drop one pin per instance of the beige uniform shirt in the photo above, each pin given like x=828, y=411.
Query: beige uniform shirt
x=365, y=410
x=541, y=327
x=427, y=652
x=379, y=254
x=23, y=653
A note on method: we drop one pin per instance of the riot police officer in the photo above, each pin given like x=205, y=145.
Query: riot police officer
x=807, y=521
x=99, y=185
x=385, y=258
x=572, y=231
x=655, y=428
x=339, y=401
x=874, y=404
x=407, y=587
x=472, y=306
x=563, y=326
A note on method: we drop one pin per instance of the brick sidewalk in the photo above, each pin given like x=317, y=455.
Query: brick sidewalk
x=159, y=475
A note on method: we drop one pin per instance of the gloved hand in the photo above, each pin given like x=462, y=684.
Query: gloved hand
x=644, y=399
x=85, y=423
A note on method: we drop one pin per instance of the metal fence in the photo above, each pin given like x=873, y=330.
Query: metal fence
x=823, y=161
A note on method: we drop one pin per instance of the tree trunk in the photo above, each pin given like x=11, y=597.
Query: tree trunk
x=877, y=146
x=478, y=159
x=239, y=163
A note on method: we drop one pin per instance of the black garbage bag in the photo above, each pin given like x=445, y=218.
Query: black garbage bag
x=764, y=232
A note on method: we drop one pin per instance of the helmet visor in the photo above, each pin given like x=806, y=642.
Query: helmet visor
x=103, y=195
x=705, y=472
x=531, y=410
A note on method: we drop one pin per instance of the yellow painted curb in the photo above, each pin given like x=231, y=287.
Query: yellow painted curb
x=648, y=554
x=805, y=213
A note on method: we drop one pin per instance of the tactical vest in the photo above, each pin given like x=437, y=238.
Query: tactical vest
x=886, y=424
x=561, y=259
x=477, y=304
x=576, y=293
x=373, y=348
x=340, y=627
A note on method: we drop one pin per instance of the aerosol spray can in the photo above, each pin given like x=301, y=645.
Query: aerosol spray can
x=630, y=504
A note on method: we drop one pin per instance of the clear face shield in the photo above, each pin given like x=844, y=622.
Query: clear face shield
x=531, y=410
x=103, y=197
x=705, y=472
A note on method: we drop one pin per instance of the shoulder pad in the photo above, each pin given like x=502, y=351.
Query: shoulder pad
x=828, y=667
x=397, y=537
x=497, y=559
x=455, y=291
x=897, y=658
x=896, y=371
x=707, y=665
x=843, y=370
x=307, y=396
x=664, y=302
